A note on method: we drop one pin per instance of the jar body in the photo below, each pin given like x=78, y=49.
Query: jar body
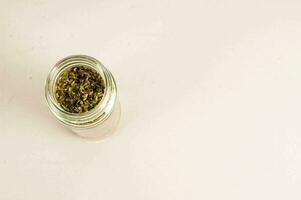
x=103, y=118
x=103, y=129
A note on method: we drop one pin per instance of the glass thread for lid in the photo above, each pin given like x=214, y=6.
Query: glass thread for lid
x=79, y=89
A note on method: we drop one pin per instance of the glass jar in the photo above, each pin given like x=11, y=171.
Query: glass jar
x=97, y=122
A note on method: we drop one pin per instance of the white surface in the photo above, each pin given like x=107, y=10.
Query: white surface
x=210, y=94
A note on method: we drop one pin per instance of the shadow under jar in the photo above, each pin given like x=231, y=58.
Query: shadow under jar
x=100, y=120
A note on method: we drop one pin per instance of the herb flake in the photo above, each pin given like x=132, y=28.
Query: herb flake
x=79, y=89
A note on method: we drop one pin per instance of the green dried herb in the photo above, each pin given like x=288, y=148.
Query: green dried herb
x=79, y=89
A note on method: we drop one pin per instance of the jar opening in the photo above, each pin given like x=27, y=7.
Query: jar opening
x=100, y=111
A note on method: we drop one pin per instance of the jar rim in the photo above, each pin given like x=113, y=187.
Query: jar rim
x=94, y=116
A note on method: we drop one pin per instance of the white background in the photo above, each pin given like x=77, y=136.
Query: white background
x=210, y=94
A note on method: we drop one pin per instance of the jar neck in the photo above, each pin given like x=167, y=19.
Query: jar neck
x=90, y=118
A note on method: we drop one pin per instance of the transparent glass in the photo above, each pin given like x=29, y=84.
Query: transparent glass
x=103, y=118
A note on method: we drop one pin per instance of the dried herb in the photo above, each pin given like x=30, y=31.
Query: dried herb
x=79, y=89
